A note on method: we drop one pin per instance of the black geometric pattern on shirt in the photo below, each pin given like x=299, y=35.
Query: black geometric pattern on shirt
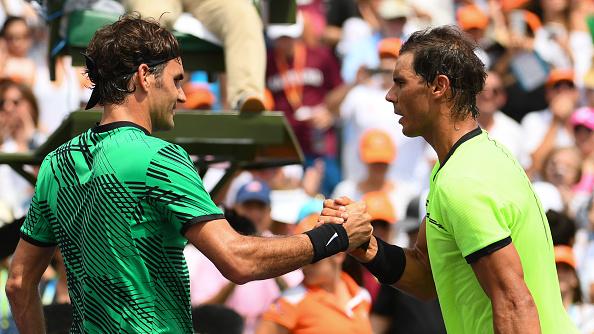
x=177, y=154
x=176, y=161
x=35, y=215
x=93, y=230
x=165, y=265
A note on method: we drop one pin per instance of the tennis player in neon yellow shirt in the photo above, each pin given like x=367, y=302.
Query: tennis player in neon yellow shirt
x=485, y=247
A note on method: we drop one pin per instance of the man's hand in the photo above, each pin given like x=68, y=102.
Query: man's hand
x=357, y=222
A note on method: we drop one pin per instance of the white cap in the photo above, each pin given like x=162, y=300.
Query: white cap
x=285, y=204
x=392, y=9
x=549, y=196
x=275, y=31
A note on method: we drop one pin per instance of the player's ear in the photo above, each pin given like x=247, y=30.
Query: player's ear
x=441, y=85
x=142, y=77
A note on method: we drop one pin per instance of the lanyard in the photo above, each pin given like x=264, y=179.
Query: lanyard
x=293, y=87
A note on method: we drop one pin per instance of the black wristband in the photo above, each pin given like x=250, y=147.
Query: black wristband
x=388, y=264
x=327, y=240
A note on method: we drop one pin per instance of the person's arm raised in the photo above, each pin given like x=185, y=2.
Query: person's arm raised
x=245, y=258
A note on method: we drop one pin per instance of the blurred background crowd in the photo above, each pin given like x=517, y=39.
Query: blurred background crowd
x=329, y=73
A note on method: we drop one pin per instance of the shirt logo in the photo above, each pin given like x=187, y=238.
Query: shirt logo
x=434, y=222
x=334, y=236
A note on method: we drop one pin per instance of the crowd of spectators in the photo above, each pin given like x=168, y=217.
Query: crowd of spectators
x=329, y=73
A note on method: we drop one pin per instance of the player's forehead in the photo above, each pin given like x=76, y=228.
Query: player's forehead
x=404, y=65
x=174, y=67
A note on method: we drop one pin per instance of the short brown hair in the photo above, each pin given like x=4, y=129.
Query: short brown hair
x=447, y=51
x=115, y=52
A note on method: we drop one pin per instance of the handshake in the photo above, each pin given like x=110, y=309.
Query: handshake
x=355, y=219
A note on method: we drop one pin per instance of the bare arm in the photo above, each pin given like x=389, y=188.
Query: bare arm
x=501, y=276
x=417, y=278
x=245, y=258
x=27, y=267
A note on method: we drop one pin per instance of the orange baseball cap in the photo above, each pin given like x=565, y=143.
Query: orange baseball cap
x=198, y=96
x=564, y=254
x=379, y=206
x=557, y=75
x=507, y=5
x=389, y=47
x=376, y=146
x=471, y=16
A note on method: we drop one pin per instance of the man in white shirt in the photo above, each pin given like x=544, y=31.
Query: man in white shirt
x=501, y=127
x=365, y=108
x=549, y=128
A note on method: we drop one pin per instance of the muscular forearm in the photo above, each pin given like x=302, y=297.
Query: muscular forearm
x=259, y=258
x=25, y=306
x=513, y=315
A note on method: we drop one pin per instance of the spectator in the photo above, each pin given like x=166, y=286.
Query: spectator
x=359, y=52
x=549, y=128
x=207, y=284
x=328, y=301
x=561, y=42
x=14, y=51
x=237, y=24
x=582, y=122
x=500, y=126
x=580, y=312
x=473, y=21
x=306, y=85
x=514, y=58
x=563, y=228
x=383, y=218
x=339, y=11
x=377, y=151
x=18, y=122
x=563, y=168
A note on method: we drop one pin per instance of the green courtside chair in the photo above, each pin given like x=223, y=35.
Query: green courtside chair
x=241, y=140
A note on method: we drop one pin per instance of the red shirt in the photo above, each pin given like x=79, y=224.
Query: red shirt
x=320, y=75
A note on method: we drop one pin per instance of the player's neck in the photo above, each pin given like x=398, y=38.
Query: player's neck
x=444, y=137
x=486, y=120
x=125, y=112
